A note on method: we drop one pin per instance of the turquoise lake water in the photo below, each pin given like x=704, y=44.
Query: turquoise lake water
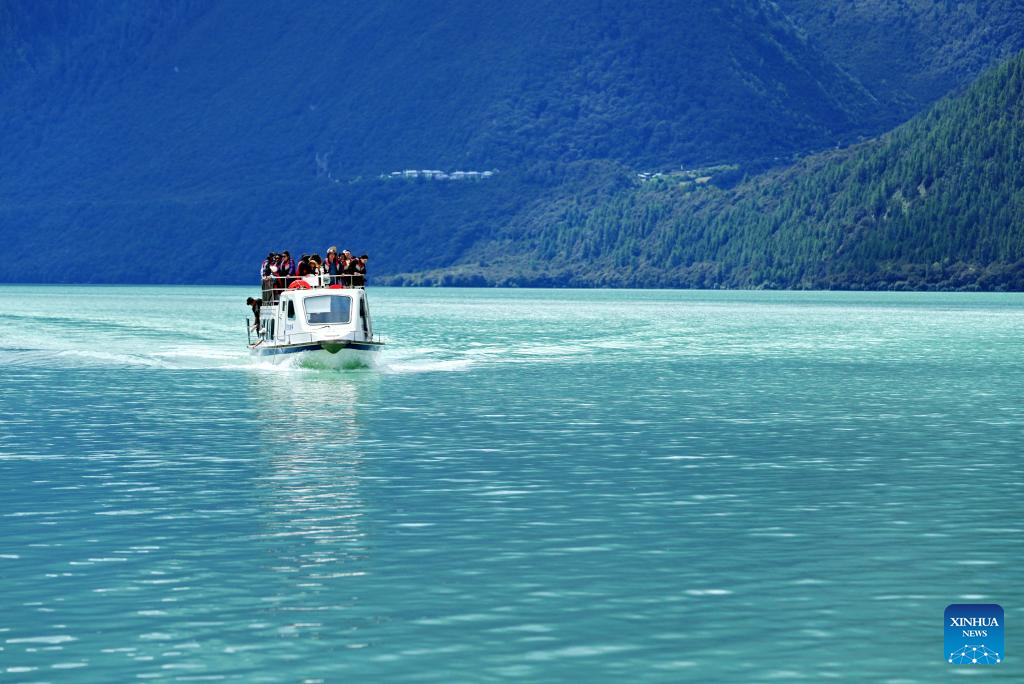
x=591, y=486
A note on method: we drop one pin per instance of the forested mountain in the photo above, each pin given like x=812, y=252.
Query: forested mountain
x=210, y=132
x=910, y=53
x=242, y=93
x=938, y=203
x=179, y=141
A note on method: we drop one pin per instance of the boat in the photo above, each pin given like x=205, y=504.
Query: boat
x=315, y=322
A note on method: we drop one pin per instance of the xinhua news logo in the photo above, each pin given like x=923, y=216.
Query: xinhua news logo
x=974, y=634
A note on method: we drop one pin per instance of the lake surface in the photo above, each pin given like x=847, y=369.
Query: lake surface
x=533, y=485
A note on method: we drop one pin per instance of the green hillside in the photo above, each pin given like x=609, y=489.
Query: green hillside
x=160, y=100
x=177, y=142
x=937, y=203
x=208, y=133
x=910, y=53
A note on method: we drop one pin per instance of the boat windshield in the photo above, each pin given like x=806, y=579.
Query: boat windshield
x=326, y=309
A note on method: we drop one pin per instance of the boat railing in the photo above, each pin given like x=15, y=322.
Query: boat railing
x=274, y=286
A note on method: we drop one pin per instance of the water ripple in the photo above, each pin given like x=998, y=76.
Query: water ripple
x=534, y=485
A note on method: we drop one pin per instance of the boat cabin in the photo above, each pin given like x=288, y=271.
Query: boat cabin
x=314, y=315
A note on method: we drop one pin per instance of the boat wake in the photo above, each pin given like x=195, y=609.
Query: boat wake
x=424, y=365
x=395, y=360
x=77, y=358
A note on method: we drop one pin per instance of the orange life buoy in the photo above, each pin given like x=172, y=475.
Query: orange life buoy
x=337, y=286
x=299, y=285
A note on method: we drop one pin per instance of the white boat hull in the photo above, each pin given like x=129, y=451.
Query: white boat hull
x=321, y=355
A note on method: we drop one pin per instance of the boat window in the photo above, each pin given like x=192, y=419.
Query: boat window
x=325, y=309
x=291, y=309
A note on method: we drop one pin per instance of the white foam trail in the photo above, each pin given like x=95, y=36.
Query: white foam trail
x=200, y=353
x=103, y=358
x=425, y=366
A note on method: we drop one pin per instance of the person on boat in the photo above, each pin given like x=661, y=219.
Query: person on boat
x=348, y=268
x=359, y=270
x=317, y=264
x=332, y=267
x=269, y=278
x=265, y=264
x=285, y=269
x=304, y=268
x=255, y=304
